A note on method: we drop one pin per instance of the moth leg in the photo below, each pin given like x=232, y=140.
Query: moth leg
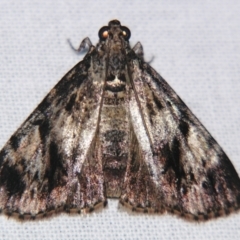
x=138, y=49
x=85, y=44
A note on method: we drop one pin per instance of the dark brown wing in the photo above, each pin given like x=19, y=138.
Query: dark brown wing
x=48, y=162
x=178, y=166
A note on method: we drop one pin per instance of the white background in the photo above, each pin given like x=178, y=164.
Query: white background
x=196, y=48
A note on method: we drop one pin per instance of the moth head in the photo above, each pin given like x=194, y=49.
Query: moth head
x=113, y=27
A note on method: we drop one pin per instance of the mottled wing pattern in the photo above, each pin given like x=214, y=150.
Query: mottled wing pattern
x=113, y=127
x=176, y=164
x=50, y=162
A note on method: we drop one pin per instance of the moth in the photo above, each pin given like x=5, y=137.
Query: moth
x=113, y=128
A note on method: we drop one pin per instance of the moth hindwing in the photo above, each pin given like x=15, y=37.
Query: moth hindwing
x=112, y=127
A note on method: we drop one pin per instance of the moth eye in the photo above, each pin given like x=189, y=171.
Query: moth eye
x=103, y=33
x=126, y=33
